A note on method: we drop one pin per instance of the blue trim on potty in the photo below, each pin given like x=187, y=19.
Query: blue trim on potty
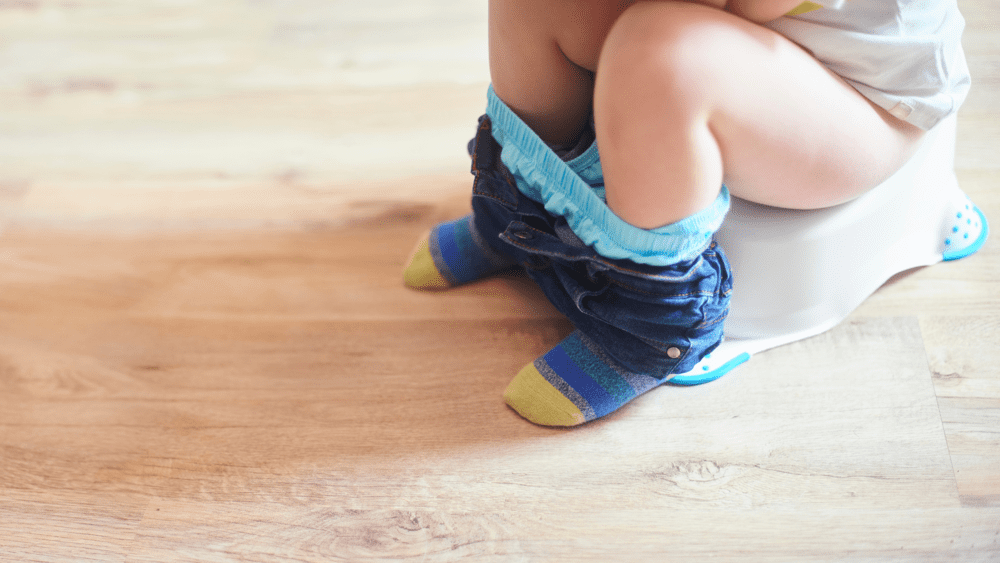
x=972, y=248
x=700, y=378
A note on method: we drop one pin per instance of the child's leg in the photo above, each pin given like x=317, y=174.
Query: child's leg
x=549, y=92
x=688, y=97
x=543, y=54
x=452, y=253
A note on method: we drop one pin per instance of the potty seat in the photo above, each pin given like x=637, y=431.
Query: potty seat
x=798, y=273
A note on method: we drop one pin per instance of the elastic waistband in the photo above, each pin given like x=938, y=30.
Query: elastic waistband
x=544, y=177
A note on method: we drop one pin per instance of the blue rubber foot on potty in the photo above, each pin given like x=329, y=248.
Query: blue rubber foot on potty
x=967, y=232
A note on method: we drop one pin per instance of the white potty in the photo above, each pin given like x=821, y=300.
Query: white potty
x=799, y=273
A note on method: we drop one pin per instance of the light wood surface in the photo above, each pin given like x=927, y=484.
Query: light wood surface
x=207, y=353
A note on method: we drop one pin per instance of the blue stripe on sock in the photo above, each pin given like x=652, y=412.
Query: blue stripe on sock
x=443, y=251
x=560, y=384
x=472, y=263
x=598, y=369
x=451, y=251
x=459, y=251
x=580, y=381
x=640, y=383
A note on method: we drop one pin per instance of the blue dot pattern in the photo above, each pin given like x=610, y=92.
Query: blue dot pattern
x=964, y=230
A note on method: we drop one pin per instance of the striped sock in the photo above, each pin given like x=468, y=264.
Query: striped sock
x=573, y=383
x=452, y=253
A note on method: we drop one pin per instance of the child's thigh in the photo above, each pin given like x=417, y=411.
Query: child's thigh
x=790, y=132
x=542, y=57
x=794, y=134
x=576, y=27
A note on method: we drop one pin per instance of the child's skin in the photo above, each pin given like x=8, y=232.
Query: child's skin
x=687, y=96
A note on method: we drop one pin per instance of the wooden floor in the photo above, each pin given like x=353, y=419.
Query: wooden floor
x=207, y=353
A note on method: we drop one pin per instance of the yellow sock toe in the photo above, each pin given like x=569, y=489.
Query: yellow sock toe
x=420, y=272
x=537, y=400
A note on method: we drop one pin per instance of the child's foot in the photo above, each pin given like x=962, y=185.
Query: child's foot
x=452, y=253
x=573, y=383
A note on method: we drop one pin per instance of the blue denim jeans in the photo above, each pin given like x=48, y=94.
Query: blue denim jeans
x=653, y=320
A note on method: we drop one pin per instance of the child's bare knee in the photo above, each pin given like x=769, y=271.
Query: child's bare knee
x=663, y=46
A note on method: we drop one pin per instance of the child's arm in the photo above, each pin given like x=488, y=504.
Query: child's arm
x=762, y=11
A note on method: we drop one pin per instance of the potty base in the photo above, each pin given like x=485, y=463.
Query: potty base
x=798, y=273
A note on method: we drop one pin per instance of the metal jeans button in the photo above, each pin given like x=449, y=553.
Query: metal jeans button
x=674, y=352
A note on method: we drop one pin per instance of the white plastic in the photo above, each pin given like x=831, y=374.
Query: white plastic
x=799, y=273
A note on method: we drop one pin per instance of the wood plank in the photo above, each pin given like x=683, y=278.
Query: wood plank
x=216, y=407
x=352, y=274
x=75, y=525
x=965, y=362
x=206, y=352
x=267, y=532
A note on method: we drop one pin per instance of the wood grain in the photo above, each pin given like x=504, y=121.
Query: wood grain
x=240, y=423
x=207, y=353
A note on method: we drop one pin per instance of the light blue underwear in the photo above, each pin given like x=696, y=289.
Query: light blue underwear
x=567, y=190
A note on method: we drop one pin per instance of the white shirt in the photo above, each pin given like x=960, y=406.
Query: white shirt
x=904, y=55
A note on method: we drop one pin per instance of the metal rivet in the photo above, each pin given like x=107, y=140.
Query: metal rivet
x=674, y=352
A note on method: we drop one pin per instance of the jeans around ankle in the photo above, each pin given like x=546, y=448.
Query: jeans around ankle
x=653, y=320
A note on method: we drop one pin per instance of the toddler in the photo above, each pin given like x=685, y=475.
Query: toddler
x=790, y=104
